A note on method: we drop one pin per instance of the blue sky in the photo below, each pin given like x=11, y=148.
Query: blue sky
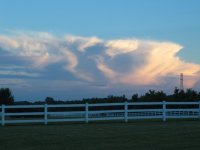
x=70, y=49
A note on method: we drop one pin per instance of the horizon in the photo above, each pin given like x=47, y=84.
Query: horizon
x=105, y=97
x=79, y=49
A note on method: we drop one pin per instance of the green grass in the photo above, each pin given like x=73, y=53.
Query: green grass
x=140, y=135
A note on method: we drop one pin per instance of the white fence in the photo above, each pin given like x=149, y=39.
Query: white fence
x=94, y=112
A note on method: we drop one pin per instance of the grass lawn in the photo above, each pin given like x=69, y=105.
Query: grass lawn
x=140, y=135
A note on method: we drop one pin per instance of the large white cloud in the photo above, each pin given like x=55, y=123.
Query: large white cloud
x=121, y=61
x=117, y=47
x=82, y=43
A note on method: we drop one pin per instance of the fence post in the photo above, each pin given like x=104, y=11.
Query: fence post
x=126, y=111
x=86, y=112
x=164, y=110
x=199, y=109
x=2, y=114
x=45, y=114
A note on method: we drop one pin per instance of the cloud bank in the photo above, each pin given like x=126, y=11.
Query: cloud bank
x=124, y=62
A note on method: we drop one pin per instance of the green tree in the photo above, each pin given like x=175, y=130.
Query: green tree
x=6, y=96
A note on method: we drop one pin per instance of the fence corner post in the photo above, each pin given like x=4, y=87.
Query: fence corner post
x=86, y=113
x=164, y=110
x=126, y=111
x=45, y=114
x=2, y=114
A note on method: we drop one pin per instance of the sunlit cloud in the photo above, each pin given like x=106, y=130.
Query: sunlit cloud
x=108, y=72
x=83, y=43
x=157, y=60
x=73, y=62
x=117, y=47
x=128, y=62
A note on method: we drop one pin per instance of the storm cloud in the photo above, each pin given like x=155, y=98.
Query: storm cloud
x=92, y=61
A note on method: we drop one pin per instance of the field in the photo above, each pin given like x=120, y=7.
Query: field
x=140, y=135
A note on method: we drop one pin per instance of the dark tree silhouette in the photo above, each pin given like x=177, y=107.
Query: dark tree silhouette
x=179, y=95
x=49, y=100
x=6, y=96
x=134, y=98
x=188, y=95
x=153, y=95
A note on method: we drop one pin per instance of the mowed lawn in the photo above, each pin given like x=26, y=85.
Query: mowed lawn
x=153, y=135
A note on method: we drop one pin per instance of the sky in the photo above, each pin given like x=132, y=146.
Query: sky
x=74, y=49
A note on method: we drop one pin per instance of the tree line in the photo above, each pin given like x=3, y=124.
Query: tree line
x=188, y=95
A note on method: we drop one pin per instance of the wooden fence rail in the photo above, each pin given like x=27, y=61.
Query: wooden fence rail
x=13, y=114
